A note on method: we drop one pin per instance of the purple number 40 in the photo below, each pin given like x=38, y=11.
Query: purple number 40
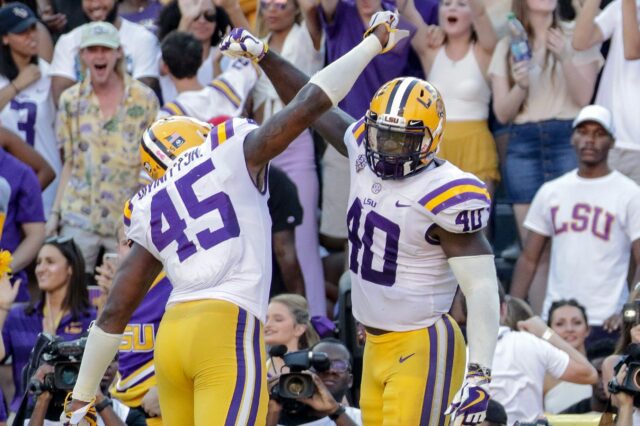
x=391, y=230
x=162, y=206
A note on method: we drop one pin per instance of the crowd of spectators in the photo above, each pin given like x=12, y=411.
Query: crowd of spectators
x=555, y=136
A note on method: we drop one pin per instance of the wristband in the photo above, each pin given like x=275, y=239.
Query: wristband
x=548, y=333
x=107, y=402
x=339, y=411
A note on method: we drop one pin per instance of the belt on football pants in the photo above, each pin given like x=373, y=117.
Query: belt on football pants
x=376, y=331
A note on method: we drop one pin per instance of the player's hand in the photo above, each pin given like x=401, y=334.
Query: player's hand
x=26, y=77
x=322, y=401
x=388, y=20
x=78, y=413
x=469, y=405
x=151, y=402
x=240, y=43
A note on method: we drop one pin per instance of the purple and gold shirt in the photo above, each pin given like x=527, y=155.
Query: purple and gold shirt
x=21, y=331
x=136, y=368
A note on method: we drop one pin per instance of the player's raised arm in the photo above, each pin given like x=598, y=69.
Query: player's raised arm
x=323, y=90
x=133, y=278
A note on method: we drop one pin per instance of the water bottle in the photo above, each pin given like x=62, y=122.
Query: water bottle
x=520, y=49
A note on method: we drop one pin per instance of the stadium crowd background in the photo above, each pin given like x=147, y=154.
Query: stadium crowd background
x=69, y=161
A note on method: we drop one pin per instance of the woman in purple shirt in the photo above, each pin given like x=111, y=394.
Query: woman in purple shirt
x=62, y=307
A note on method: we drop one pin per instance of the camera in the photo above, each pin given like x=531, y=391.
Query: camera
x=631, y=383
x=631, y=312
x=64, y=356
x=296, y=384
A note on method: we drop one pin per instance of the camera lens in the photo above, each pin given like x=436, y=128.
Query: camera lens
x=295, y=386
x=68, y=375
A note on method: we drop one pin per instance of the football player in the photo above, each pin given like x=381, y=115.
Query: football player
x=414, y=226
x=205, y=219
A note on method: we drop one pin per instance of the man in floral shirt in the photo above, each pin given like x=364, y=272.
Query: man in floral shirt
x=99, y=125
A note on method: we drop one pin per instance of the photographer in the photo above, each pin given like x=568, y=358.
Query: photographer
x=623, y=400
x=331, y=386
x=110, y=412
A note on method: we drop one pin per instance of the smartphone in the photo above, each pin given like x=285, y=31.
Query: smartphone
x=110, y=258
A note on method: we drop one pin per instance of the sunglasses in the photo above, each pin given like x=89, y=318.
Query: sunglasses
x=209, y=15
x=337, y=366
x=58, y=240
x=279, y=4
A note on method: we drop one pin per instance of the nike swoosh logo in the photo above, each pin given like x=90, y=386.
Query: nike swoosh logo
x=404, y=358
x=398, y=204
x=481, y=395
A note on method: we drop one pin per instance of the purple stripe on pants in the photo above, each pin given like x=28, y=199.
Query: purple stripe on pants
x=449, y=367
x=433, y=194
x=431, y=378
x=234, y=409
x=255, y=402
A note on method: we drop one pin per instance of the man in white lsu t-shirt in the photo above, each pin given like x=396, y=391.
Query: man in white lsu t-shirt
x=591, y=215
x=140, y=46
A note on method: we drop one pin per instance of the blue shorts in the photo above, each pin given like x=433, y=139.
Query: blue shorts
x=536, y=153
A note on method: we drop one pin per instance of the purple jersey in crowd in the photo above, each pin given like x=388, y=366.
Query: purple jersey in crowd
x=25, y=206
x=136, y=368
x=343, y=34
x=21, y=331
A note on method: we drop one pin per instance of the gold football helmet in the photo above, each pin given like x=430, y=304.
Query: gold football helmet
x=166, y=139
x=404, y=126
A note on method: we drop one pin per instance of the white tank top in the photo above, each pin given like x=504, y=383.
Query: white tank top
x=464, y=89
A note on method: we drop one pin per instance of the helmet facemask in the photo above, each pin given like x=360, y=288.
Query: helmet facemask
x=394, y=152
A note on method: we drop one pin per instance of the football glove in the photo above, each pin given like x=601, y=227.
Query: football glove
x=469, y=405
x=85, y=416
x=240, y=43
x=390, y=20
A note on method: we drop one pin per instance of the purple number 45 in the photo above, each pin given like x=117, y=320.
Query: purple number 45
x=163, y=207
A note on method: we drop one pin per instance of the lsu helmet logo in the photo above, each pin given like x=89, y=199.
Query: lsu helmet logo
x=175, y=140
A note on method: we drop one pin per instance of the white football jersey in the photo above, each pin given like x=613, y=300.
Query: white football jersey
x=31, y=114
x=208, y=224
x=225, y=95
x=400, y=277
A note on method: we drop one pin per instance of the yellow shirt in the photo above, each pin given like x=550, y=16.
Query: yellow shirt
x=104, y=153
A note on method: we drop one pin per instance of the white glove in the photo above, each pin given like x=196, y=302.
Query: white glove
x=240, y=43
x=390, y=20
x=469, y=405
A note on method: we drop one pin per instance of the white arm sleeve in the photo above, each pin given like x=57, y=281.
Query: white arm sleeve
x=337, y=79
x=100, y=350
x=479, y=283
